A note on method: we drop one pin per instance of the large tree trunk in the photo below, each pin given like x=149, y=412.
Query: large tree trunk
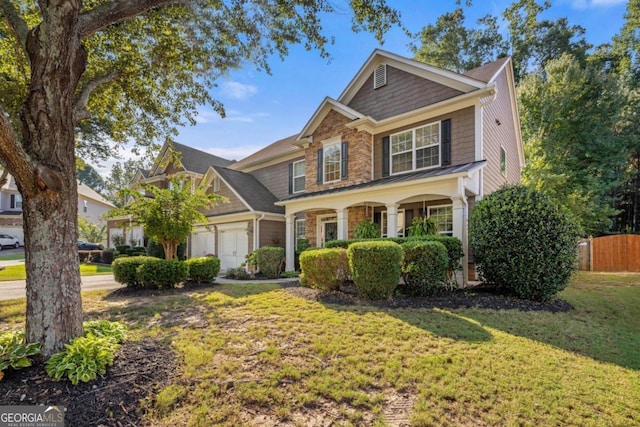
x=54, y=306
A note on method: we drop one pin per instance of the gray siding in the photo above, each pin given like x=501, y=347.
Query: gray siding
x=276, y=178
x=272, y=233
x=403, y=92
x=233, y=205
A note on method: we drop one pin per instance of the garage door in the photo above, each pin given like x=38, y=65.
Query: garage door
x=203, y=243
x=234, y=246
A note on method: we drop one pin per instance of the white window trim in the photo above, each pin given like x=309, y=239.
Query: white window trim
x=294, y=176
x=442, y=206
x=413, y=149
x=324, y=158
x=320, y=221
x=298, y=237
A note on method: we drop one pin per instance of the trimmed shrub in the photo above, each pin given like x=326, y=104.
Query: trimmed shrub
x=125, y=269
x=84, y=256
x=269, y=260
x=161, y=273
x=523, y=243
x=203, y=269
x=375, y=267
x=453, y=245
x=424, y=267
x=122, y=248
x=325, y=269
x=107, y=256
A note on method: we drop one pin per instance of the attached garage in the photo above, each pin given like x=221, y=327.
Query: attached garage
x=203, y=242
x=233, y=244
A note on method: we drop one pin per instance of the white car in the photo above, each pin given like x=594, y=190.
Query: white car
x=9, y=241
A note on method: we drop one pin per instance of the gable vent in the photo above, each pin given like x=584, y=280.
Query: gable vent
x=380, y=76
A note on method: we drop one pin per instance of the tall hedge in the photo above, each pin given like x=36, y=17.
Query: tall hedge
x=523, y=243
x=375, y=267
x=325, y=269
x=424, y=267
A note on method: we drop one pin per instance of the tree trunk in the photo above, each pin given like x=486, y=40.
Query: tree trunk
x=54, y=306
x=170, y=249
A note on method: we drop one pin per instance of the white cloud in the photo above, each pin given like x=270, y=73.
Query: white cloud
x=237, y=90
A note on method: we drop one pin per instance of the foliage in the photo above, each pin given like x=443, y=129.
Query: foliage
x=367, y=229
x=325, y=269
x=302, y=245
x=15, y=353
x=88, y=176
x=203, y=269
x=125, y=270
x=424, y=267
x=523, y=242
x=91, y=232
x=155, y=273
x=168, y=214
x=269, y=260
x=238, y=273
x=121, y=176
x=86, y=357
x=423, y=227
x=375, y=267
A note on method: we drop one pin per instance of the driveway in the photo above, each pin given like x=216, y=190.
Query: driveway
x=17, y=288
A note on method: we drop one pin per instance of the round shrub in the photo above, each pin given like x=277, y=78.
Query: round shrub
x=375, y=267
x=203, y=269
x=269, y=260
x=523, y=243
x=125, y=269
x=161, y=273
x=424, y=267
x=325, y=269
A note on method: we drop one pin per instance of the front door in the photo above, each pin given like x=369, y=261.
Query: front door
x=327, y=229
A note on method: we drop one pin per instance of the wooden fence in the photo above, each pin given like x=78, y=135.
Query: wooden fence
x=611, y=253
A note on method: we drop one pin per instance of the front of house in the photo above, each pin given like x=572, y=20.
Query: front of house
x=403, y=140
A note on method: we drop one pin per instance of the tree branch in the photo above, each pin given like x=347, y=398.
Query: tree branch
x=16, y=23
x=80, y=111
x=14, y=157
x=114, y=11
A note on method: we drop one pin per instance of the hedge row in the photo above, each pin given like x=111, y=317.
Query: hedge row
x=96, y=256
x=156, y=273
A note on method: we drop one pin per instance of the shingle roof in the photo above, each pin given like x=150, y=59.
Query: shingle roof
x=89, y=193
x=431, y=173
x=485, y=72
x=276, y=149
x=250, y=190
x=198, y=161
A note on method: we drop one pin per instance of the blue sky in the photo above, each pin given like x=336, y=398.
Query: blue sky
x=263, y=108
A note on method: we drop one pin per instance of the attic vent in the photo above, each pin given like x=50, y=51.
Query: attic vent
x=380, y=76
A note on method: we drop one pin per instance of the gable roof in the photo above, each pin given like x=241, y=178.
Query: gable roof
x=277, y=150
x=321, y=112
x=488, y=72
x=91, y=194
x=191, y=159
x=251, y=192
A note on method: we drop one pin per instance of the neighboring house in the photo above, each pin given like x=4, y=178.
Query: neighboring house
x=403, y=140
x=91, y=206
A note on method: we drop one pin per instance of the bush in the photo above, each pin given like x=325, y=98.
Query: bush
x=156, y=250
x=203, y=269
x=161, y=273
x=375, y=267
x=107, y=256
x=125, y=269
x=453, y=245
x=523, y=243
x=238, y=273
x=367, y=229
x=15, y=353
x=325, y=269
x=303, y=245
x=122, y=248
x=269, y=260
x=424, y=267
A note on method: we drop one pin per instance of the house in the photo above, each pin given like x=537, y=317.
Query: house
x=403, y=140
x=91, y=206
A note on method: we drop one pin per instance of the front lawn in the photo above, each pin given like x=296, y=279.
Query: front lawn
x=263, y=355
x=17, y=272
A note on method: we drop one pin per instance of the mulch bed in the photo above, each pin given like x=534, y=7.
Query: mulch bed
x=139, y=370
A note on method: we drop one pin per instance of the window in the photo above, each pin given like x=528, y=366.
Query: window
x=300, y=231
x=331, y=163
x=417, y=148
x=85, y=207
x=443, y=217
x=383, y=223
x=297, y=176
x=503, y=161
x=16, y=201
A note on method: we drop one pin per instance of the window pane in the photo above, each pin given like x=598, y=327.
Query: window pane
x=299, y=168
x=332, y=163
x=402, y=162
x=428, y=135
x=426, y=157
x=298, y=184
x=443, y=217
x=401, y=142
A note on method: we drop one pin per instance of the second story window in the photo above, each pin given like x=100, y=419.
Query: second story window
x=417, y=148
x=298, y=176
x=331, y=160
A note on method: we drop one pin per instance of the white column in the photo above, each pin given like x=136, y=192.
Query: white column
x=290, y=246
x=392, y=220
x=460, y=231
x=343, y=223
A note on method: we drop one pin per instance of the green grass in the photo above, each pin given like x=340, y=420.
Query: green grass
x=11, y=257
x=17, y=272
x=254, y=354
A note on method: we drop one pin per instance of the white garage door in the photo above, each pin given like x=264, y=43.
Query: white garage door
x=234, y=246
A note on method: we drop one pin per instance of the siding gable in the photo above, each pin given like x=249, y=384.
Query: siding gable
x=403, y=92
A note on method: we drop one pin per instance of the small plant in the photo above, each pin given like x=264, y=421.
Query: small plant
x=117, y=240
x=86, y=357
x=238, y=273
x=324, y=268
x=203, y=269
x=15, y=353
x=367, y=229
x=422, y=227
x=375, y=267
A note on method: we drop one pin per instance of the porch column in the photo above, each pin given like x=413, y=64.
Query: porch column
x=460, y=231
x=290, y=246
x=392, y=220
x=343, y=223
